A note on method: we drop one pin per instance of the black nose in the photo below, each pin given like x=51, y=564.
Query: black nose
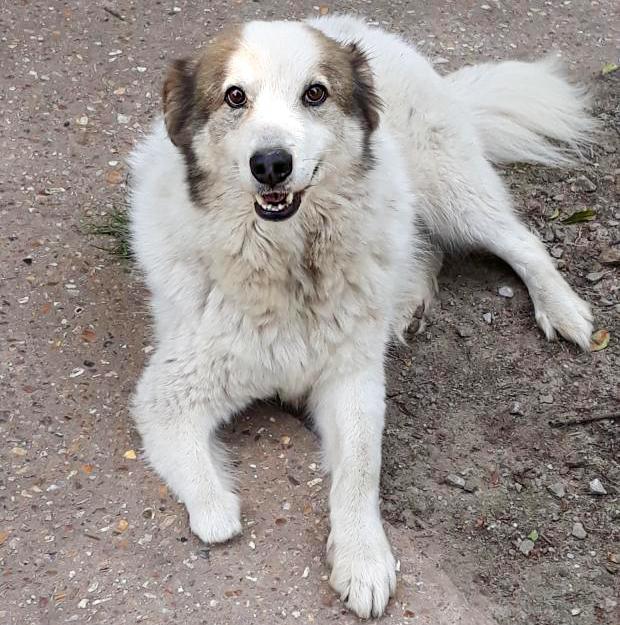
x=271, y=166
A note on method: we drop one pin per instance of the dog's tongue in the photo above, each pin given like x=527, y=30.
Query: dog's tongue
x=274, y=198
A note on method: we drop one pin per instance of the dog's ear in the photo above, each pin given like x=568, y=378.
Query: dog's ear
x=178, y=99
x=364, y=95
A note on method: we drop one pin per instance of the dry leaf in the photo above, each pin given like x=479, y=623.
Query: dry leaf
x=130, y=454
x=88, y=335
x=3, y=536
x=114, y=177
x=88, y=468
x=121, y=526
x=285, y=440
x=19, y=451
x=163, y=491
x=600, y=340
x=323, y=9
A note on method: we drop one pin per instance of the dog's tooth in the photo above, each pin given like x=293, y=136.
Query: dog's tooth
x=289, y=197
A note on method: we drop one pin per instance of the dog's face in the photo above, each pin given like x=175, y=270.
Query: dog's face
x=269, y=111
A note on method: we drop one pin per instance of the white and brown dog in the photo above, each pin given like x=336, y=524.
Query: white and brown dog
x=289, y=212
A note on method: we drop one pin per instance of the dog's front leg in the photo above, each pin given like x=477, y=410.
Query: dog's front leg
x=349, y=411
x=179, y=404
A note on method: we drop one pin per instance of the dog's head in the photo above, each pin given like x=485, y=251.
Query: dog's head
x=269, y=111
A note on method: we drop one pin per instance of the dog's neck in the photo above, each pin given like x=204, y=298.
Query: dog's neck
x=275, y=270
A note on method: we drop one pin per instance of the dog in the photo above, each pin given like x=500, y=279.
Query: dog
x=289, y=211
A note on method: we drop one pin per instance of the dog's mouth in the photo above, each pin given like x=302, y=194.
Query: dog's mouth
x=277, y=205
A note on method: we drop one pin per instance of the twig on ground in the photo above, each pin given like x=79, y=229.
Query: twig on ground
x=560, y=423
x=114, y=13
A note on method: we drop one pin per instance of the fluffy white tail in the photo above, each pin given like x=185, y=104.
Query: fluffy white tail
x=526, y=112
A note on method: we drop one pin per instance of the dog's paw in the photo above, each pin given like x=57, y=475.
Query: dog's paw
x=216, y=520
x=561, y=310
x=363, y=571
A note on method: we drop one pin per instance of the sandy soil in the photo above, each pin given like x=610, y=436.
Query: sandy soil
x=89, y=535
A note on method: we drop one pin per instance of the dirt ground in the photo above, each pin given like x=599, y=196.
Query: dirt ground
x=478, y=452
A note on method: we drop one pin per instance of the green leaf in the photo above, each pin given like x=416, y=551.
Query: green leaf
x=579, y=217
x=608, y=68
x=555, y=215
x=533, y=536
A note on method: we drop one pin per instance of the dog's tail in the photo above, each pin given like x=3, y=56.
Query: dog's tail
x=526, y=112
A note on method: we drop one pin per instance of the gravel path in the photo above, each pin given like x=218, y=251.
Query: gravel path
x=493, y=511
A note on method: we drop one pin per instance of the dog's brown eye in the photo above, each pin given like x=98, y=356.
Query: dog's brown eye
x=315, y=95
x=235, y=97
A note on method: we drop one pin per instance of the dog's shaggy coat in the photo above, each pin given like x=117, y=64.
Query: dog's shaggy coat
x=393, y=164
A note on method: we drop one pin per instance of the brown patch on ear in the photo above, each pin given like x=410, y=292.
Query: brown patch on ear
x=192, y=91
x=351, y=80
x=364, y=95
x=193, y=87
x=211, y=70
x=178, y=97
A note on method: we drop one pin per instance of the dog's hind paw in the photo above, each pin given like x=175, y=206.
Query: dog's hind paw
x=561, y=311
x=363, y=572
x=216, y=520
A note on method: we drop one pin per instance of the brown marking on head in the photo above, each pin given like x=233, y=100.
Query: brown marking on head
x=192, y=91
x=351, y=80
x=193, y=87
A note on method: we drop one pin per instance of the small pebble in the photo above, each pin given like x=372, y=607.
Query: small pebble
x=579, y=531
x=546, y=399
x=465, y=331
x=597, y=488
x=526, y=546
x=595, y=276
x=470, y=486
x=575, y=611
x=557, y=489
x=506, y=291
x=516, y=408
x=583, y=184
x=610, y=256
x=488, y=318
x=455, y=480
x=557, y=252
x=123, y=119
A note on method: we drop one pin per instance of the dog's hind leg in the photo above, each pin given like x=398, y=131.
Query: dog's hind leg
x=475, y=211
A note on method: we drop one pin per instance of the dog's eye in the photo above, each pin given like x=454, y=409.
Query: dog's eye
x=315, y=95
x=235, y=97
